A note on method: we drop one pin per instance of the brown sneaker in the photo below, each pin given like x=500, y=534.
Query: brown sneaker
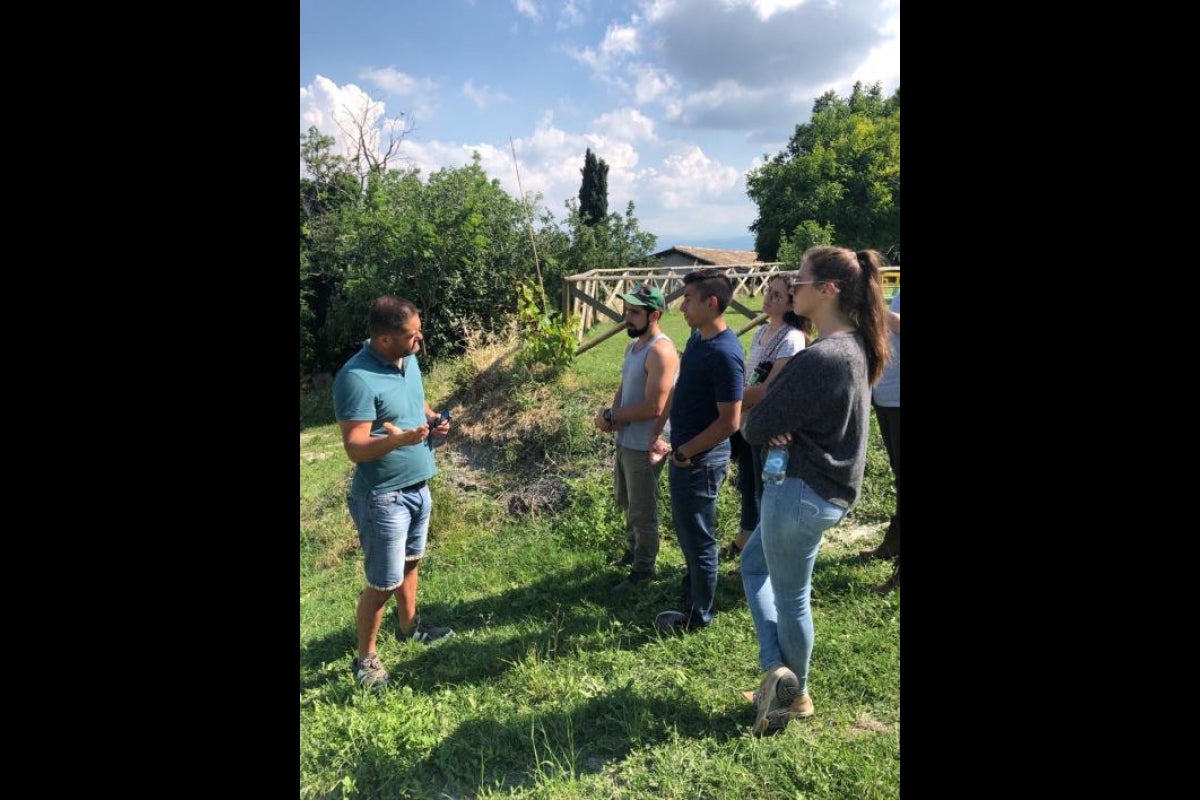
x=801, y=708
x=779, y=689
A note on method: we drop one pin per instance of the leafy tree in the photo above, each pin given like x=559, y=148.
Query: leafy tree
x=839, y=171
x=327, y=185
x=593, y=192
x=807, y=234
x=453, y=245
x=456, y=244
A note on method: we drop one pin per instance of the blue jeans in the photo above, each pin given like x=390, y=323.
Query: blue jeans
x=694, y=512
x=777, y=567
x=392, y=528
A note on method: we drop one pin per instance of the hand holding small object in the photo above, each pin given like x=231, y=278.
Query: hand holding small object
x=413, y=436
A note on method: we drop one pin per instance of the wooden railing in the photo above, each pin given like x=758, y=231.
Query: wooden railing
x=594, y=294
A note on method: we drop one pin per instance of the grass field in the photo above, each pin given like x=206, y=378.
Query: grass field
x=552, y=687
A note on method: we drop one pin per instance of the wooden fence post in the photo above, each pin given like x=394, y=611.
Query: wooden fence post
x=595, y=292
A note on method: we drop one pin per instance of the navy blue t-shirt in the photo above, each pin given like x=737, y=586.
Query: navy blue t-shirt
x=711, y=371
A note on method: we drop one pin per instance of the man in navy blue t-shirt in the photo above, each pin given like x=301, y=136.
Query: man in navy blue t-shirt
x=706, y=408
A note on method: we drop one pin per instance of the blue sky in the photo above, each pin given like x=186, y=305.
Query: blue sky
x=680, y=97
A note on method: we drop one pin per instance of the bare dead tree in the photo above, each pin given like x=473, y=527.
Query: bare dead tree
x=364, y=139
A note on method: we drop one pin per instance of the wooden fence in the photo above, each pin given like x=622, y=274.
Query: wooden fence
x=593, y=295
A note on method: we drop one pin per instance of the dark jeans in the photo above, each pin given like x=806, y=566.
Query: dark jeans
x=749, y=485
x=694, y=512
x=889, y=429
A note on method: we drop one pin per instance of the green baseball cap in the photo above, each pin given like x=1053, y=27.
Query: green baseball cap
x=646, y=296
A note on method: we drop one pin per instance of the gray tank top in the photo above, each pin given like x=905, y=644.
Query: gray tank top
x=636, y=435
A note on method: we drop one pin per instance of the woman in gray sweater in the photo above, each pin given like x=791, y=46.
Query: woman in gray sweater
x=819, y=406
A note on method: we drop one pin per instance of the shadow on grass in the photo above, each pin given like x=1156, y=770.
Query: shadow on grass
x=847, y=575
x=536, y=747
x=559, y=612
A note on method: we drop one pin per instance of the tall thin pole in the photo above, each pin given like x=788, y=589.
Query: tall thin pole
x=528, y=222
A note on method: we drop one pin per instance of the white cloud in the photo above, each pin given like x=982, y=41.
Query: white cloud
x=684, y=193
x=483, y=96
x=754, y=65
x=528, y=8
x=420, y=93
x=650, y=83
x=684, y=226
x=883, y=61
x=626, y=124
x=655, y=10
x=393, y=81
x=572, y=14
x=333, y=109
x=619, y=42
x=764, y=9
x=689, y=176
x=551, y=159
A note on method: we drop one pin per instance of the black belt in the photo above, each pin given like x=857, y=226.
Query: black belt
x=413, y=488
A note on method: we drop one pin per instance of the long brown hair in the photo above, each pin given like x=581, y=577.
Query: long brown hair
x=860, y=296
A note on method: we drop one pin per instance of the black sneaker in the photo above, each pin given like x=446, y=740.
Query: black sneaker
x=425, y=633
x=369, y=671
x=634, y=580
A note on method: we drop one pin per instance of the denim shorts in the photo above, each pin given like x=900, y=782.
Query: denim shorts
x=392, y=527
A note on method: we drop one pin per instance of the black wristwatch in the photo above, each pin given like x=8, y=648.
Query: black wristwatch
x=679, y=456
x=608, y=416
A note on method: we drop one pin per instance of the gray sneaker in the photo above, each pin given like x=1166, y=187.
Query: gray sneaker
x=369, y=671
x=424, y=633
x=773, y=701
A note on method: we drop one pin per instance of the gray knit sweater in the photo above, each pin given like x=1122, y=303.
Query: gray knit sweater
x=823, y=398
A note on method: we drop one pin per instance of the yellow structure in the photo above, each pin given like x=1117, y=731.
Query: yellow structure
x=891, y=282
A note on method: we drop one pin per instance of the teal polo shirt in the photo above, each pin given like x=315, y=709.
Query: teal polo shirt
x=370, y=388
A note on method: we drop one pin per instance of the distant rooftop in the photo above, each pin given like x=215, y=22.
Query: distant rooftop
x=716, y=257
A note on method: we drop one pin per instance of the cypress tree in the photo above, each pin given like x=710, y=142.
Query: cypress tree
x=593, y=193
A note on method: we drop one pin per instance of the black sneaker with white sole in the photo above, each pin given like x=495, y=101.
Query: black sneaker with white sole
x=425, y=633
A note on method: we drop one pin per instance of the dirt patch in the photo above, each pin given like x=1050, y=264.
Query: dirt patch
x=866, y=724
x=545, y=495
x=470, y=468
x=852, y=534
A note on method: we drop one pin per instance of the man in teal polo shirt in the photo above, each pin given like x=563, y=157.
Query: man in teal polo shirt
x=379, y=402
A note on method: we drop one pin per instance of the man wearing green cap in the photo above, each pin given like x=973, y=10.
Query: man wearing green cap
x=647, y=375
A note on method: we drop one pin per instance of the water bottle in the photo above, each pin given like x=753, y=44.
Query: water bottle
x=655, y=455
x=775, y=464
